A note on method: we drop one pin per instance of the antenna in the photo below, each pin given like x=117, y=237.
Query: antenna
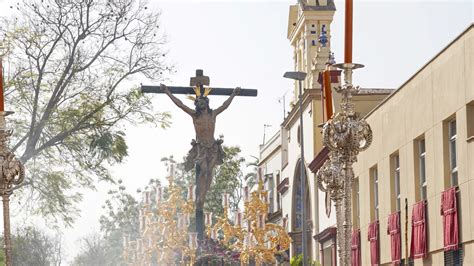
x=265, y=126
x=282, y=99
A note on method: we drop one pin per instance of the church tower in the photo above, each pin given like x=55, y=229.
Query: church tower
x=309, y=31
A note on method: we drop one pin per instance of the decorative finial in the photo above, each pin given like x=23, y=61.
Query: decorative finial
x=323, y=38
x=332, y=59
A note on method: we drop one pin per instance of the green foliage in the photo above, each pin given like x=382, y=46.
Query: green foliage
x=298, y=261
x=2, y=256
x=251, y=177
x=66, y=82
x=121, y=209
x=227, y=179
x=31, y=246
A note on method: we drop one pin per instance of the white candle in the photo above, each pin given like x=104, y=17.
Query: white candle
x=238, y=218
x=188, y=219
x=246, y=194
x=191, y=189
x=172, y=170
x=260, y=175
x=181, y=224
x=146, y=197
x=140, y=219
x=265, y=197
x=150, y=242
x=285, y=222
x=139, y=245
x=192, y=240
x=213, y=234
x=159, y=194
x=248, y=240
x=125, y=242
x=261, y=221
x=208, y=218
x=225, y=200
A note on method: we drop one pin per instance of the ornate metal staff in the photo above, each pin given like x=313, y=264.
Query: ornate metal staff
x=12, y=174
x=345, y=135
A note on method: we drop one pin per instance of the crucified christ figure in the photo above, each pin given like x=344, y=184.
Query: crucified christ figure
x=206, y=152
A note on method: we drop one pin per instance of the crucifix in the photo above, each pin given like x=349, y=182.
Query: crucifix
x=206, y=152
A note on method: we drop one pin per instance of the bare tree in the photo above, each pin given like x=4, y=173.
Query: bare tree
x=68, y=63
x=93, y=252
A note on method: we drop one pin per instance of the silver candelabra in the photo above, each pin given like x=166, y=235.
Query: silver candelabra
x=345, y=135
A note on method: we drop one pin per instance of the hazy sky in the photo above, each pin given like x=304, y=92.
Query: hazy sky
x=243, y=43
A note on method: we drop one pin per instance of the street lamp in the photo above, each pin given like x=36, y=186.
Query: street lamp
x=300, y=76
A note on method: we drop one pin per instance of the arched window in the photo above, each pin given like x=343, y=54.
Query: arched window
x=297, y=211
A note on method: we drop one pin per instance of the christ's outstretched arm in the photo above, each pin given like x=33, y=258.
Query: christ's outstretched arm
x=227, y=102
x=177, y=101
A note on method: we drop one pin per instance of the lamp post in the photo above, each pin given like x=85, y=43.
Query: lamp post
x=300, y=76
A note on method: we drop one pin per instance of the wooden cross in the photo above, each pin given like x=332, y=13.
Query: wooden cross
x=198, y=81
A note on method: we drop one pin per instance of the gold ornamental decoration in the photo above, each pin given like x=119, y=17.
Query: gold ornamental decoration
x=250, y=234
x=164, y=228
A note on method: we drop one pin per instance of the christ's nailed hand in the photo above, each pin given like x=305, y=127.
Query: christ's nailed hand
x=164, y=88
x=236, y=91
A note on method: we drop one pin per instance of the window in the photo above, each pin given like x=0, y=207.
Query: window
x=374, y=214
x=470, y=121
x=453, y=257
x=313, y=32
x=422, y=168
x=395, y=163
x=313, y=43
x=271, y=190
x=452, y=153
x=328, y=250
x=278, y=195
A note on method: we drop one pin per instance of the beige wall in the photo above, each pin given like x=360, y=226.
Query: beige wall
x=440, y=91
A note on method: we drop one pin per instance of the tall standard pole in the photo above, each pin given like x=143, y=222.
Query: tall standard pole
x=12, y=174
x=303, y=182
x=6, y=227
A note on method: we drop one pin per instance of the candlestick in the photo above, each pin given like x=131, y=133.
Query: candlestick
x=348, y=33
x=327, y=93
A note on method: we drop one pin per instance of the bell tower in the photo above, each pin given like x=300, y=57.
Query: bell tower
x=309, y=33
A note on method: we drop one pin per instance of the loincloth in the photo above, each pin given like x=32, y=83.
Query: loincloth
x=213, y=154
